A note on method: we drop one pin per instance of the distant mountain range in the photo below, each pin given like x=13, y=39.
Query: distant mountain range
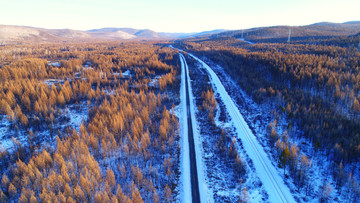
x=10, y=34
x=193, y=34
x=125, y=33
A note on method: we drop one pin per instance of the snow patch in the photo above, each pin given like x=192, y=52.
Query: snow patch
x=77, y=113
x=51, y=82
x=55, y=64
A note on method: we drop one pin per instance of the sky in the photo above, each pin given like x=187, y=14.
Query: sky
x=175, y=15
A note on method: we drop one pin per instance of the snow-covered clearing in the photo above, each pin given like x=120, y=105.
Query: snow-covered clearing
x=77, y=113
x=273, y=183
x=243, y=39
x=5, y=141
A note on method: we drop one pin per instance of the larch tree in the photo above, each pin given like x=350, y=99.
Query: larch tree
x=121, y=196
x=244, y=196
x=284, y=158
x=12, y=190
x=167, y=193
x=110, y=178
x=5, y=181
x=136, y=197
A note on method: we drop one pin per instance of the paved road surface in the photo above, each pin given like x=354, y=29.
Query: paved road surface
x=195, y=194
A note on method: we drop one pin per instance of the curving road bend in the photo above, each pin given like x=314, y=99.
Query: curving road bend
x=272, y=181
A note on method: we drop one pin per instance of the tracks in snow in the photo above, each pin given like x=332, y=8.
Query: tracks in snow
x=273, y=183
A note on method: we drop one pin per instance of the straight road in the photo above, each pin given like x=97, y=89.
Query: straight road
x=190, y=150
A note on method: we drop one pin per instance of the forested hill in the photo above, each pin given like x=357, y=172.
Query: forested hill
x=281, y=33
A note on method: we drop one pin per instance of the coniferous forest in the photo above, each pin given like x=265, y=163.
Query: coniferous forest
x=125, y=146
x=100, y=121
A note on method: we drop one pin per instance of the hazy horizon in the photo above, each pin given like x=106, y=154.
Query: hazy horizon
x=96, y=28
x=174, y=16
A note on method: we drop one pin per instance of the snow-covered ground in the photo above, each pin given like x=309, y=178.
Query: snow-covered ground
x=5, y=141
x=51, y=82
x=77, y=113
x=273, y=183
x=154, y=81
